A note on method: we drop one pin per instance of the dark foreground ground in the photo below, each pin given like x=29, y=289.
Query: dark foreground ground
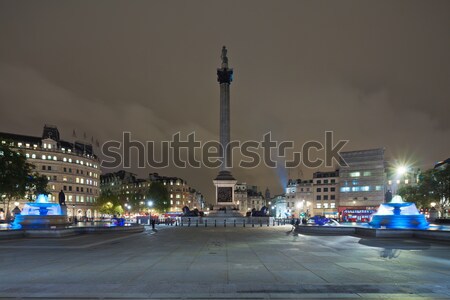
x=223, y=263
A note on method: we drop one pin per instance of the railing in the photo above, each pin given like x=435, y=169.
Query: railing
x=218, y=222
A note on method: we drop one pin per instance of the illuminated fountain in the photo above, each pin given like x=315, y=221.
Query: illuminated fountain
x=41, y=214
x=398, y=215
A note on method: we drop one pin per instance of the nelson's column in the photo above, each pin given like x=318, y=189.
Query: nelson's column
x=225, y=182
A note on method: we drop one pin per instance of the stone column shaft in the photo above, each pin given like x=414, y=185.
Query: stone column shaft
x=225, y=122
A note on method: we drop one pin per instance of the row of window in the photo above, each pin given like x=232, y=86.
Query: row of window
x=74, y=198
x=77, y=180
x=50, y=157
x=325, y=190
x=77, y=189
x=398, y=181
x=325, y=197
x=171, y=182
x=365, y=188
x=292, y=190
x=178, y=202
x=69, y=170
x=325, y=205
x=81, y=198
x=358, y=174
x=325, y=181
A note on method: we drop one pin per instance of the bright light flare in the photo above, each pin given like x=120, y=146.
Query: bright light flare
x=402, y=170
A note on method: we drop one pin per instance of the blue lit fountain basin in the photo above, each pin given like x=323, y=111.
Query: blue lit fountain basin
x=38, y=222
x=40, y=214
x=398, y=215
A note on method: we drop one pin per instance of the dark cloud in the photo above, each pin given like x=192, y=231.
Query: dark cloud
x=375, y=72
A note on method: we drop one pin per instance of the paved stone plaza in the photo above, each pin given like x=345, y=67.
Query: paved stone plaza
x=231, y=263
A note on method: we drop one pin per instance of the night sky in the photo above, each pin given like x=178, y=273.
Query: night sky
x=375, y=72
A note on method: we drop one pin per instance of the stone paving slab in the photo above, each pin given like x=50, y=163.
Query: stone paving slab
x=223, y=263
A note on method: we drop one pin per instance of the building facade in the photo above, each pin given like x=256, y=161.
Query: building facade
x=248, y=197
x=299, y=197
x=179, y=192
x=280, y=207
x=326, y=193
x=130, y=188
x=361, y=183
x=71, y=167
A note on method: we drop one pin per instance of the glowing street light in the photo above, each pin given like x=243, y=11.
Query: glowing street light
x=402, y=170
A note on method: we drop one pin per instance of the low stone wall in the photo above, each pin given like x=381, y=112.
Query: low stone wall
x=376, y=233
x=50, y=233
x=326, y=230
x=65, y=232
x=433, y=235
x=11, y=234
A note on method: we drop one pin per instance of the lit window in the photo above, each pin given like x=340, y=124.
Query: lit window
x=82, y=180
x=355, y=174
x=70, y=160
x=49, y=146
x=27, y=155
x=319, y=205
x=64, y=159
x=27, y=145
x=333, y=205
x=325, y=205
x=367, y=173
x=19, y=144
x=77, y=180
x=43, y=157
x=178, y=196
x=406, y=181
x=365, y=188
x=390, y=182
x=345, y=189
x=378, y=188
x=54, y=158
x=355, y=189
x=171, y=195
x=64, y=178
x=33, y=155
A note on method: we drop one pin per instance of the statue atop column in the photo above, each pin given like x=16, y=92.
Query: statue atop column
x=224, y=57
